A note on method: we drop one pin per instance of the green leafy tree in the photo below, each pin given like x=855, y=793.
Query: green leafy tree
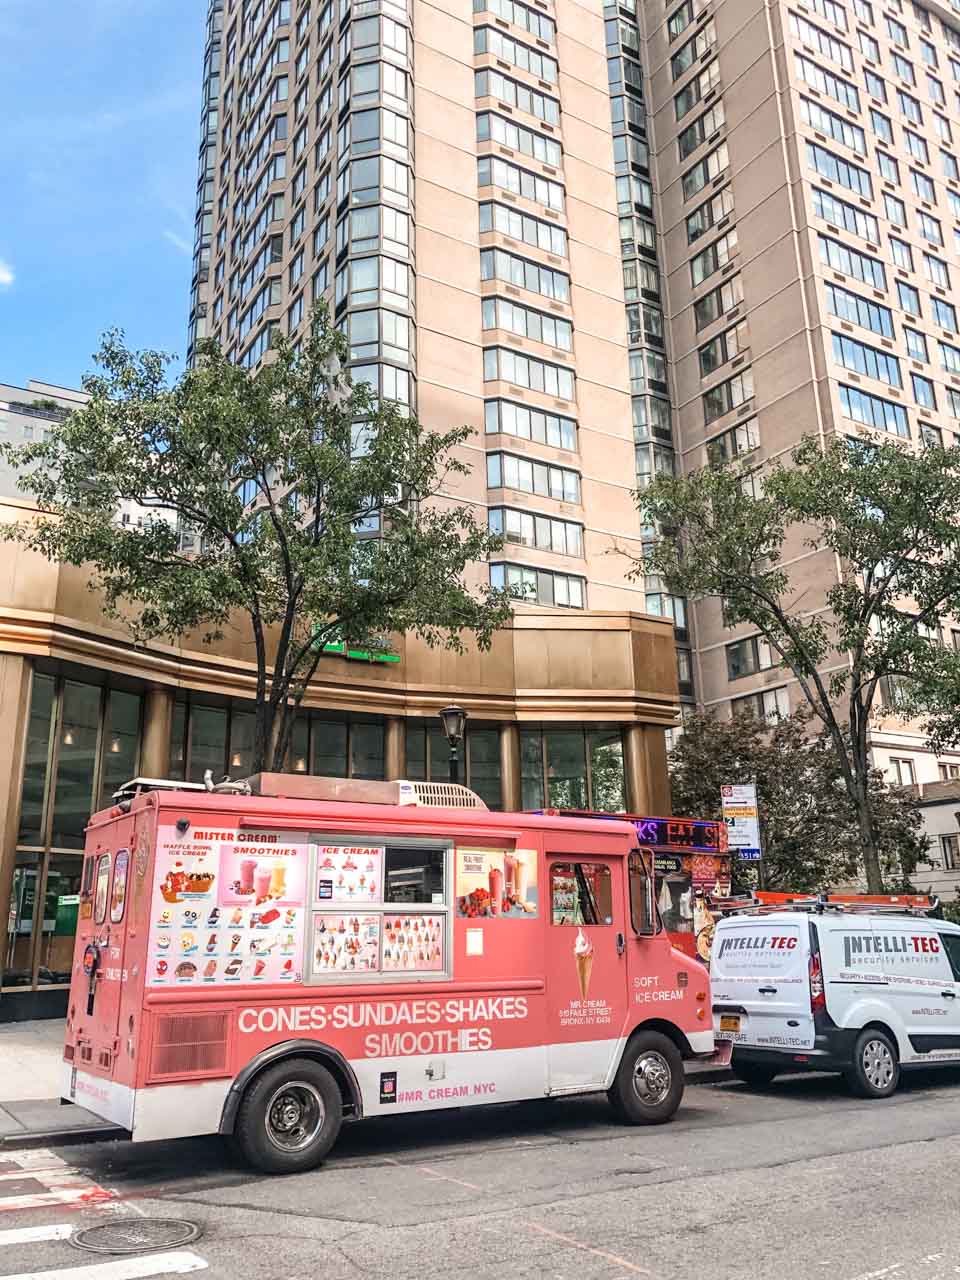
x=891, y=518
x=810, y=831
x=312, y=508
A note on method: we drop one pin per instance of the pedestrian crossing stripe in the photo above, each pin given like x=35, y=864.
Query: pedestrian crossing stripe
x=39, y=1179
x=179, y=1263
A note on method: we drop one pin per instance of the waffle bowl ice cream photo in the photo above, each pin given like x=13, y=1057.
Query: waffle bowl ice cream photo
x=583, y=957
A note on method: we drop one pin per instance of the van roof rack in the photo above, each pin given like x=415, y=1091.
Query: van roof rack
x=910, y=904
x=297, y=786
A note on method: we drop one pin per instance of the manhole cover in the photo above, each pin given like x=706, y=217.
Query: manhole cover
x=136, y=1235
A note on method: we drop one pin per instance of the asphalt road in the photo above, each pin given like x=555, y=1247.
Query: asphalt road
x=798, y=1181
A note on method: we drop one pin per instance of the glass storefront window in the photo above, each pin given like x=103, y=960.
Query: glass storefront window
x=178, y=742
x=37, y=761
x=121, y=743
x=18, y=957
x=76, y=761
x=428, y=759
x=366, y=750
x=208, y=742
x=484, y=765
x=531, y=769
x=300, y=746
x=566, y=769
x=329, y=749
x=59, y=923
x=242, y=728
x=606, y=771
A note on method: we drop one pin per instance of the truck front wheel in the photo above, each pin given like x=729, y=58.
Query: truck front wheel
x=289, y=1117
x=648, y=1085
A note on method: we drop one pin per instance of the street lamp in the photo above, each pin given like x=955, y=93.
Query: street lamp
x=454, y=721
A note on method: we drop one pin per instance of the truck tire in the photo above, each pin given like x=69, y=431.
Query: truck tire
x=649, y=1082
x=874, y=1071
x=753, y=1073
x=289, y=1117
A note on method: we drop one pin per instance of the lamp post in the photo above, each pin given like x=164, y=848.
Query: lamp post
x=454, y=721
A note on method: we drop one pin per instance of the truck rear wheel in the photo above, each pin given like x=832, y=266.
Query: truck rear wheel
x=649, y=1082
x=875, y=1069
x=289, y=1117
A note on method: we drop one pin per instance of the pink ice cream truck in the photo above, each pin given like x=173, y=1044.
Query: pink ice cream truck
x=269, y=960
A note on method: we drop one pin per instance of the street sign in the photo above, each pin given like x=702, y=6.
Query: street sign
x=739, y=807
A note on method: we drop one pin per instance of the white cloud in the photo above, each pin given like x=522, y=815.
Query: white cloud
x=6, y=275
x=178, y=242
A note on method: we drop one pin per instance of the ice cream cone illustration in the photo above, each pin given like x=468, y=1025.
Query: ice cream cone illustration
x=583, y=954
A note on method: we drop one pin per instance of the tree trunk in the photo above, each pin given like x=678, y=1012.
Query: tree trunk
x=263, y=737
x=871, y=859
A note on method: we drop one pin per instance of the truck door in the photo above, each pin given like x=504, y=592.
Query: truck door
x=586, y=969
x=102, y=937
x=760, y=974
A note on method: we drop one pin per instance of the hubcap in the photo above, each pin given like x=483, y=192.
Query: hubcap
x=651, y=1078
x=878, y=1064
x=295, y=1115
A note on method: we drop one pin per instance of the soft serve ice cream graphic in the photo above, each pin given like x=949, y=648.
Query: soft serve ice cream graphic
x=583, y=955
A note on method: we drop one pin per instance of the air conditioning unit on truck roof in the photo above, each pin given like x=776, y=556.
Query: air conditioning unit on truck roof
x=296, y=786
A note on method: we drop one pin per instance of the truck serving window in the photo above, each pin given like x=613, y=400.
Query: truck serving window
x=580, y=893
x=118, y=899
x=380, y=908
x=103, y=889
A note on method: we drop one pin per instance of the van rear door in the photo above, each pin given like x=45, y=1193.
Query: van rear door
x=759, y=970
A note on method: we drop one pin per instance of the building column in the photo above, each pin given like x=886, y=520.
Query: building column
x=645, y=770
x=15, y=685
x=157, y=727
x=635, y=770
x=511, y=794
x=394, y=748
x=658, y=777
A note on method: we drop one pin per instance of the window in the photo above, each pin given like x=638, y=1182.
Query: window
x=843, y=214
x=849, y=261
x=903, y=69
x=949, y=773
x=530, y=424
x=839, y=170
x=581, y=893
x=521, y=15
x=710, y=167
x=711, y=259
x=864, y=11
x=935, y=90
x=850, y=306
x=868, y=47
x=738, y=440
x=909, y=298
x=889, y=169
x=916, y=146
x=949, y=167
x=492, y=84
x=835, y=126
x=498, y=173
x=875, y=86
x=701, y=129
x=922, y=186
x=929, y=227
x=770, y=705
x=718, y=301
x=118, y=897
x=529, y=529
x=944, y=314
x=725, y=346
x=895, y=210
x=828, y=45
x=874, y=411
x=695, y=48
x=949, y=357
x=881, y=126
x=923, y=392
x=943, y=129
x=897, y=32
x=696, y=89
x=505, y=470
x=727, y=395
x=902, y=253
x=539, y=586
x=527, y=371
x=709, y=214
x=498, y=313
x=935, y=269
x=498, y=264
x=916, y=343
x=504, y=47
x=495, y=128
x=103, y=889
x=522, y=226
x=832, y=11
x=870, y=361
x=903, y=771
x=816, y=77
x=642, y=912
x=746, y=657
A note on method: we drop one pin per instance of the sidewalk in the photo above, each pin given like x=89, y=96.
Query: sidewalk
x=30, y=1110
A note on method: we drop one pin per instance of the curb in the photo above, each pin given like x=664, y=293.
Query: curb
x=60, y=1137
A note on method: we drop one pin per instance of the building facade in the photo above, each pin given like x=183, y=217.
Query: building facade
x=807, y=176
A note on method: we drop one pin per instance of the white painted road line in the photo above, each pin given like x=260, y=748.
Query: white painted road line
x=28, y=1235
x=153, y=1264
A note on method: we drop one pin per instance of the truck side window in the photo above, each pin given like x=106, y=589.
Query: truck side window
x=580, y=893
x=103, y=889
x=951, y=945
x=643, y=914
x=118, y=899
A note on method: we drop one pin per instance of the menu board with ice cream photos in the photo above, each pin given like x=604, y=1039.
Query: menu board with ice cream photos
x=228, y=908
x=346, y=944
x=349, y=873
x=497, y=883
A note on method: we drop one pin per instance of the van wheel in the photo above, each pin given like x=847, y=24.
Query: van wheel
x=289, y=1117
x=875, y=1070
x=649, y=1082
x=753, y=1073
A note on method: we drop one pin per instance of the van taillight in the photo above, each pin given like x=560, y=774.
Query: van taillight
x=817, y=998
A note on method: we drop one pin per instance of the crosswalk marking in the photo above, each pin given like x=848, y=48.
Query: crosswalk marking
x=48, y=1181
x=29, y=1235
x=153, y=1264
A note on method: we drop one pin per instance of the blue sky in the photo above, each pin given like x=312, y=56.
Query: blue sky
x=99, y=128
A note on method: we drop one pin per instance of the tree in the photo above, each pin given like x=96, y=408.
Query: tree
x=891, y=518
x=811, y=837
x=307, y=501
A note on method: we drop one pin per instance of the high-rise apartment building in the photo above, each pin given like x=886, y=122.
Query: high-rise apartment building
x=446, y=177
x=807, y=175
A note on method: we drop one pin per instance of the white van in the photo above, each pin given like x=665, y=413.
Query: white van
x=835, y=990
